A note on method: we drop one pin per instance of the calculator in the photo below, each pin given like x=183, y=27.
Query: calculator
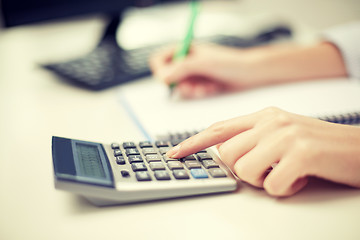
x=129, y=172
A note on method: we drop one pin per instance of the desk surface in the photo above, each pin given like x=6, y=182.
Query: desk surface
x=34, y=105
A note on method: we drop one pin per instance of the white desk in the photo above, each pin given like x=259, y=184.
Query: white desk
x=34, y=105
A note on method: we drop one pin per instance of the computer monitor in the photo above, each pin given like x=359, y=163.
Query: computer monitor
x=20, y=12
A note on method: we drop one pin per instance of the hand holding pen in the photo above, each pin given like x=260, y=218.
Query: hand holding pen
x=184, y=48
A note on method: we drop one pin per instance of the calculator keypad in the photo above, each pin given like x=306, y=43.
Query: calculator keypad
x=147, y=161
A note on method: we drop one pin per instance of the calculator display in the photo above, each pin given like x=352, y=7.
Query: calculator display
x=90, y=161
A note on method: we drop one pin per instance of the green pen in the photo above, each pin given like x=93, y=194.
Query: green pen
x=183, y=49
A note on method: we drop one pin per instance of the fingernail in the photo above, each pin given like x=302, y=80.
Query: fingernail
x=172, y=153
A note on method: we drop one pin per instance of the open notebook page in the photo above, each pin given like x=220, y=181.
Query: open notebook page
x=149, y=104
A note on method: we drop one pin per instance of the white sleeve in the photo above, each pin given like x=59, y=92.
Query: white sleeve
x=347, y=39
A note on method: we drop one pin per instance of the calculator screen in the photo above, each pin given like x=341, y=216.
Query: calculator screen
x=91, y=164
x=89, y=161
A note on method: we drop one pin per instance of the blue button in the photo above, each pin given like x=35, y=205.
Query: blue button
x=198, y=173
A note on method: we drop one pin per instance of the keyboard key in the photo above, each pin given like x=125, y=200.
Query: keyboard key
x=181, y=174
x=217, y=172
x=117, y=152
x=132, y=151
x=162, y=144
x=147, y=151
x=202, y=151
x=204, y=156
x=167, y=159
x=120, y=160
x=135, y=158
x=190, y=157
x=152, y=158
x=162, y=175
x=138, y=167
x=125, y=173
x=199, y=173
x=143, y=176
x=129, y=145
x=175, y=165
x=157, y=166
x=145, y=144
x=192, y=164
x=115, y=146
x=175, y=142
x=209, y=164
x=164, y=150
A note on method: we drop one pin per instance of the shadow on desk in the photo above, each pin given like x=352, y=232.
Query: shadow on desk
x=317, y=191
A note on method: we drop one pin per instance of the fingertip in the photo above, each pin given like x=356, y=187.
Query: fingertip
x=174, y=152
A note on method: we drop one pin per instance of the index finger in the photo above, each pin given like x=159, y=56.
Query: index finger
x=215, y=134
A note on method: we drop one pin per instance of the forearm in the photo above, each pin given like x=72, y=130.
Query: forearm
x=293, y=63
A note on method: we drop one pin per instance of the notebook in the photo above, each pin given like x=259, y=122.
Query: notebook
x=153, y=111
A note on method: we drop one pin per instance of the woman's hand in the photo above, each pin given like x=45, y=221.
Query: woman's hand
x=299, y=146
x=211, y=69
x=206, y=71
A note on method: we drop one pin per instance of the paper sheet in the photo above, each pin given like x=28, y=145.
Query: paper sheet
x=155, y=113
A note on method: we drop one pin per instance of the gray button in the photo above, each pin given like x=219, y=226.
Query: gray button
x=162, y=175
x=143, y=176
x=153, y=157
x=157, y=166
x=217, y=172
x=138, y=167
x=210, y=164
x=181, y=174
x=175, y=165
x=192, y=164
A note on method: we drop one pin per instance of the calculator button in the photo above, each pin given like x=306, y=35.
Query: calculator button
x=129, y=145
x=164, y=150
x=192, y=164
x=198, y=173
x=120, y=160
x=168, y=159
x=202, y=151
x=181, y=174
x=145, y=144
x=157, y=166
x=132, y=151
x=125, y=173
x=204, y=156
x=135, y=158
x=217, y=172
x=147, y=151
x=143, y=176
x=210, y=164
x=117, y=152
x=175, y=142
x=161, y=144
x=152, y=158
x=162, y=175
x=115, y=146
x=190, y=157
x=175, y=165
x=138, y=167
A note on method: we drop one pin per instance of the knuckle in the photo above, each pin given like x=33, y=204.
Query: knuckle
x=283, y=119
x=271, y=110
x=217, y=129
x=247, y=174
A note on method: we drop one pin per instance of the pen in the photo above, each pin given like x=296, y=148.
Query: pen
x=183, y=49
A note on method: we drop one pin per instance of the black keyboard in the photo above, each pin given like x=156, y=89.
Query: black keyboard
x=109, y=65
